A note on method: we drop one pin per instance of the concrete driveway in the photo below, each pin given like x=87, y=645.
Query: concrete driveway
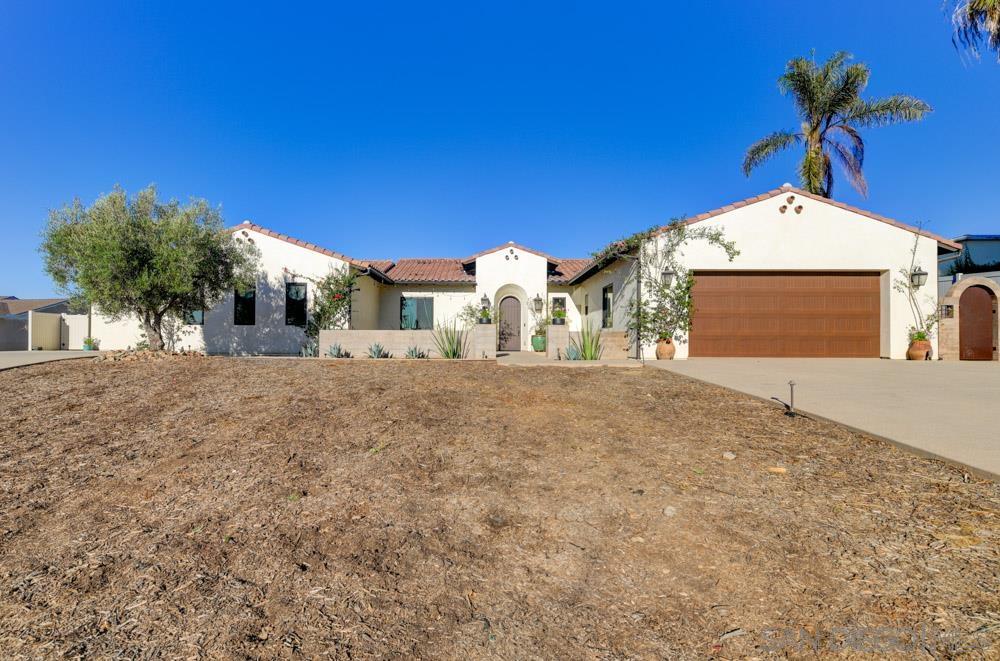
x=10, y=359
x=945, y=409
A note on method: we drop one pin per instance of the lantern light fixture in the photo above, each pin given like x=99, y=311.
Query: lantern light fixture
x=538, y=304
x=918, y=278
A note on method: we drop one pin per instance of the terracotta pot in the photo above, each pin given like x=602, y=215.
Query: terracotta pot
x=919, y=350
x=665, y=349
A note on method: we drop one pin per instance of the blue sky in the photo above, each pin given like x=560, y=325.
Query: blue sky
x=438, y=129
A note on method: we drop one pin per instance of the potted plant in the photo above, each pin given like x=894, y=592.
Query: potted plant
x=920, y=345
x=91, y=344
x=558, y=317
x=538, y=337
x=665, y=348
x=484, y=315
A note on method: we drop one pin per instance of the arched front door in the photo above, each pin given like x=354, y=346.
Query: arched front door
x=510, y=324
x=975, y=324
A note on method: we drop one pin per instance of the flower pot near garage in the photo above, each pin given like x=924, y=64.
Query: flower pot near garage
x=919, y=350
x=665, y=349
x=558, y=321
x=484, y=320
x=538, y=342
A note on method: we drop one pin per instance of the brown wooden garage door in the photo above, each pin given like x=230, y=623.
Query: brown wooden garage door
x=785, y=313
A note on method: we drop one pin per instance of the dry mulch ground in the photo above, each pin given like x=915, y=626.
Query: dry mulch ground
x=274, y=508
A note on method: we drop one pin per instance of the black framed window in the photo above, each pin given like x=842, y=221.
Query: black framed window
x=586, y=304
x=194, y=317
x=416, y=313
x=245, y=307
x=295, y=304
x=558, y=303
x=607, y=301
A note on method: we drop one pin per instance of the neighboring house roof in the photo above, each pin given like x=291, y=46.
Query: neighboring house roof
x=430, y=270
x=509, y=244
x=976, y=237
x=14, y=305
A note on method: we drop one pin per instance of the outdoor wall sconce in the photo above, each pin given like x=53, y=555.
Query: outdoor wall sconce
x=667, y=278
x=538, y=303
x=918, y=278
x=485, y=302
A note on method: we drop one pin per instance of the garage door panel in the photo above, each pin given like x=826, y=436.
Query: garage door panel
x=746, y=313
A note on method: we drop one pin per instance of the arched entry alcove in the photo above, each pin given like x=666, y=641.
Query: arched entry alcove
x=511, y=301
x=969, y=325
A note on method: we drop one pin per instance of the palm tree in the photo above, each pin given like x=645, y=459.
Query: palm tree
x=827, y=99
x=976, y=21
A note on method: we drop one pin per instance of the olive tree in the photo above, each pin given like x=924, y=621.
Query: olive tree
x=139, y=256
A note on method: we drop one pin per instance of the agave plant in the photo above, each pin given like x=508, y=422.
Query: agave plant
x=589, y=345
x=378, y=351
x=335, y=351
x=573, y=353
x=309, y=350
x=416, y=352
x=451, y=341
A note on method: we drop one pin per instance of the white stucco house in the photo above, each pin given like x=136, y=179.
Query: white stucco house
x=813, y=277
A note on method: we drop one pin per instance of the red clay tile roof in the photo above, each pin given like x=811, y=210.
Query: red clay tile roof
x=381, y=265
x=430, y=271
x=566, y=269
x=788, y=188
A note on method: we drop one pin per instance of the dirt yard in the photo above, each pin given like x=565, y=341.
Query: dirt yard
x=281, y=508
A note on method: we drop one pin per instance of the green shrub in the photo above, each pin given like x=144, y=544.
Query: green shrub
x=589, y=345
x=451, y=341
x=415, y=352
x=378, y=351
x=335, y=351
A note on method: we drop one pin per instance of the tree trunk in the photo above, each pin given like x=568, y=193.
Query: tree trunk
x=152, y=324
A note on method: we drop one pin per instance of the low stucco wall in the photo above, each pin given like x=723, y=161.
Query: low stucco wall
x=395, y=342
x=481, y=341
x=44, y=331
